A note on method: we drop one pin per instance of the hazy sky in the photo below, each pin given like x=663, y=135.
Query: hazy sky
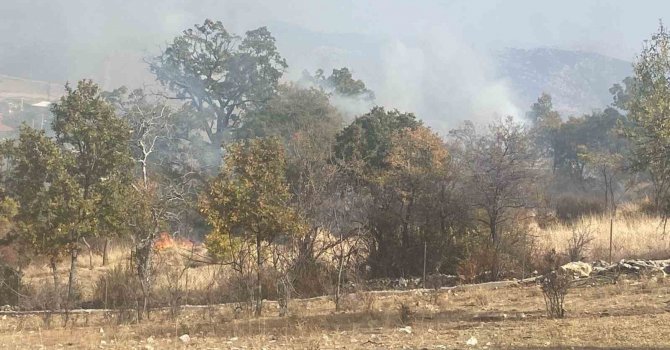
x=412, y=53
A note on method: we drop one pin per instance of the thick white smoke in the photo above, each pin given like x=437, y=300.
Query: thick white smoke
x=443, y=79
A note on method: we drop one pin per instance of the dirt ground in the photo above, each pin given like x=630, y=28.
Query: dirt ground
x=632, y=314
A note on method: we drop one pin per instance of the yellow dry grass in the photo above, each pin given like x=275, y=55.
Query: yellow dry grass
x=635, y=235
x=629, y=315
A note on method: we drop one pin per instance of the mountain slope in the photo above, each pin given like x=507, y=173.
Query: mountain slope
x=578, y=81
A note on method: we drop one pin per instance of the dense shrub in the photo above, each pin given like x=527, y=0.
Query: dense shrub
x=578, y=244
x=10, y=282
x=571, y=207
x=311, y=279
x=43, y=296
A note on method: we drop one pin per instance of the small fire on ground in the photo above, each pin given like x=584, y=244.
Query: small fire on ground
x=165, y=241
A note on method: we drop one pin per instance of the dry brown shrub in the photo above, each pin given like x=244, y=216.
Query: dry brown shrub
x=554, y=285
x=480, y=297
x=118, y=288
x=474, y=268
x=579, y=243
x=406, y=314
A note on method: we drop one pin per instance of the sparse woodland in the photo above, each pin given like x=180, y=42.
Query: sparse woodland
x=270, y=192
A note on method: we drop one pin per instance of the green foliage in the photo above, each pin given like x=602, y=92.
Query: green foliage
x=340, y=82
x=293, y=113
x=402, y=172
x=249, y=199
x=220, y=74
x=646, y=98
x=96, y=141
x=368, y=139
x=47, y=197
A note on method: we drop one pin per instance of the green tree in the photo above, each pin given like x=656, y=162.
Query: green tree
x=96, y=142
x=546, y=124
x=307, y=124
x=294, y=112
x=367, y=140
x=646, y=99
x=220, y=74
x=249, y=200
x=38, y=181
x=402, y=171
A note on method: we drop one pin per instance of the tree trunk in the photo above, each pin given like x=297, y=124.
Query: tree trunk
x=339, y=282
x=105, y=257
x=143, y=256
x=495, y=238
x=56, y=278
x=90, y=253
x=259, y=263
x=72, y=280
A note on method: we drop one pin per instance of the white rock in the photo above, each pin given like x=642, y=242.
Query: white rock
x=150, y=340
x=577, y=269
x=472, y=341
x=185, y=338
x=407, y=329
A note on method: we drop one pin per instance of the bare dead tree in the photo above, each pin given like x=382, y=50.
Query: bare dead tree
x=157, y=199
x=502, y=167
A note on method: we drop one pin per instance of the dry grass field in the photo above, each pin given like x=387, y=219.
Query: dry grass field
x=634, y=236
x=632, y=314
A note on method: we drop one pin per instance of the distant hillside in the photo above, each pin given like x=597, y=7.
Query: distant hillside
x=32, y=90
x=578, y=81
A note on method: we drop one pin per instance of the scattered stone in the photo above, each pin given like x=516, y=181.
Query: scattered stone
x=577, y=269
x=185, y=338
x=490, y=317
x=150, y=340
x=471, y=342
x=407, y=329
x=436, y=281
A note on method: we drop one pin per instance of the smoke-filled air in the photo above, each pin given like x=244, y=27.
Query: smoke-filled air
x=296, y=174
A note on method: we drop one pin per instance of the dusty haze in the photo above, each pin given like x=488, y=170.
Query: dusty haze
x=429, y=57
